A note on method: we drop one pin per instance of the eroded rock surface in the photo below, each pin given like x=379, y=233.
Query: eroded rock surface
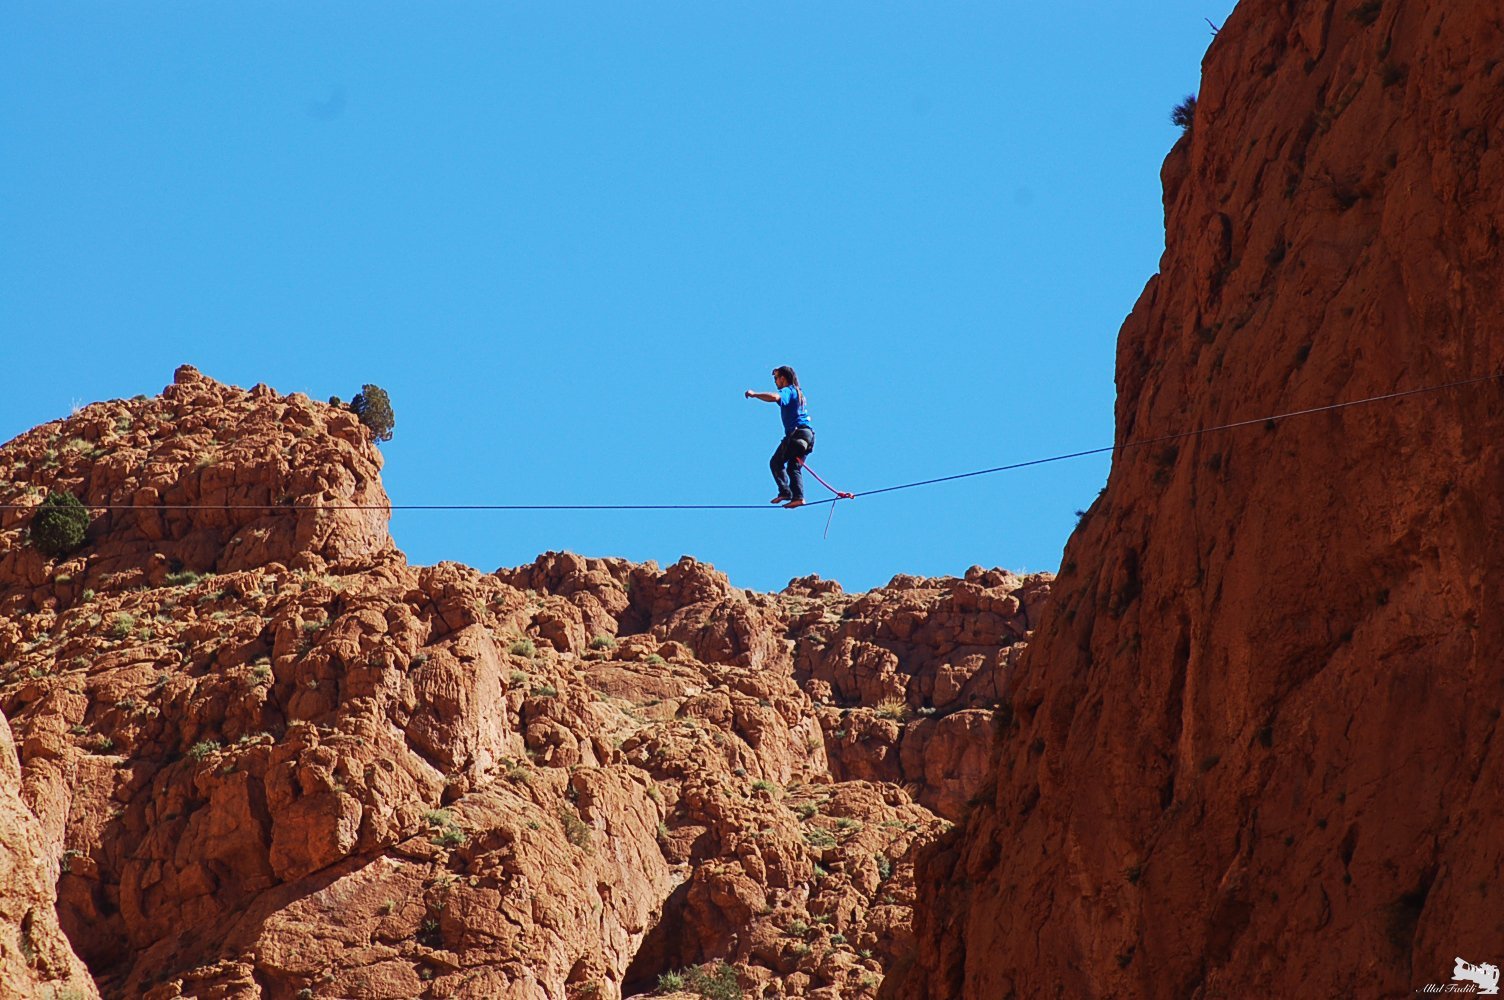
x=1253, y=750
x=265, y=757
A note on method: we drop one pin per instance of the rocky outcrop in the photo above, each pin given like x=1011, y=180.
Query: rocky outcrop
x=263, y=756
x=1251, y=750
x=35, y=958
x=908, y=675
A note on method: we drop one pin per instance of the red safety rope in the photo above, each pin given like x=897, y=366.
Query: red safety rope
x=838, y=493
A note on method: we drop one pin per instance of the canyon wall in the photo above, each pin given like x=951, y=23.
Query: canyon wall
x=1250, y=751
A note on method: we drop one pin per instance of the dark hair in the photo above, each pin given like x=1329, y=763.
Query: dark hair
x=791, y=379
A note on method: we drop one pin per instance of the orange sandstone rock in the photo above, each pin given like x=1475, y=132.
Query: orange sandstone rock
x=1251, y=749
x=282, y=762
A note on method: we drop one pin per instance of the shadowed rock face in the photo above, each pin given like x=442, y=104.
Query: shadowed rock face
x=260, y=755
x=1253, y=749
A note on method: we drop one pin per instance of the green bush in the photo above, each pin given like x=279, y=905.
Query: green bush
x=374, y=408
x=1184, y=113
x=576, y=830
x=203, y=749
x=59, y=524
x=122, y=624
x=714, y=982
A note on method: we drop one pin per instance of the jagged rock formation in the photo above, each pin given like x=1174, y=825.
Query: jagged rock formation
x=265, y=757
x=1252, y=749
x=35, y=958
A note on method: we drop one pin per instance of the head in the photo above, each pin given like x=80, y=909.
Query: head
x=783, y=377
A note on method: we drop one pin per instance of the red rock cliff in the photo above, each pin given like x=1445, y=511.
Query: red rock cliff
x=262, y=756
x=1253, y=750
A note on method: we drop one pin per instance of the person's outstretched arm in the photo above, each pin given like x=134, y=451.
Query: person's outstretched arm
x=766, y=397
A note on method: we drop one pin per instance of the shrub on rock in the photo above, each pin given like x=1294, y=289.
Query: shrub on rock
x=1184, y=113
x=59, y=524
x=374, y=408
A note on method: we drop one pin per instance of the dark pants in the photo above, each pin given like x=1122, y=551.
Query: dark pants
x=792, y=448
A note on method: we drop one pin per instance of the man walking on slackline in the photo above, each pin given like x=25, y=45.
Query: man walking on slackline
x=798, y=436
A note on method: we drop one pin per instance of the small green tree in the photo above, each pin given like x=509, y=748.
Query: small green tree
x=374, y=408
x=1184, y=113
x=59, y=524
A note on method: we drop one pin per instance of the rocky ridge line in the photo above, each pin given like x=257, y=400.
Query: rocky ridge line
x=268, y=758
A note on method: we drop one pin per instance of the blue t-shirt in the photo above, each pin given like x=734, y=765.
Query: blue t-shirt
x=791, y=409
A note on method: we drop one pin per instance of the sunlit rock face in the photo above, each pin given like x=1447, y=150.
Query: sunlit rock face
x=1252, y=748
x=257, y=754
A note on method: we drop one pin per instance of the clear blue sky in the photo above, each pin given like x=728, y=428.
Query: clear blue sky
x=566, y=237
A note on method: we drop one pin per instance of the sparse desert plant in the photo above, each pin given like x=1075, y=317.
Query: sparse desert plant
x=122, y=624
x=714, y=982
x=817, y=837
x=523, y=647
x=203, y=749
x=892, y=708
x=576, y=830
x=59, y=525
x=374, y=408
x=446, y=830
x=603, y=642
